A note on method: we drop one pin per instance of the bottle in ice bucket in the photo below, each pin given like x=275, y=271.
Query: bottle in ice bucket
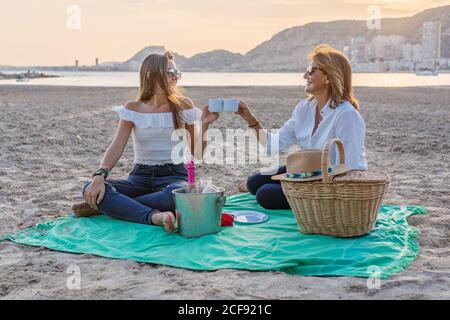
x=191, y=185
x=207, y=186
x=204, y=185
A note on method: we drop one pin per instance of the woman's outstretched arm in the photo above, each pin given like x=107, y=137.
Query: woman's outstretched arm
x=273, y=142
x=245, y=112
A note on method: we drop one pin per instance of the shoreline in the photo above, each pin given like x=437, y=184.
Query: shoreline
x=28, y=75
x=92, y=69
x=204, y=87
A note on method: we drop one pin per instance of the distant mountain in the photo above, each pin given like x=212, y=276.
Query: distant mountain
x=133, y=64
x=212, y=61
x=288, y=49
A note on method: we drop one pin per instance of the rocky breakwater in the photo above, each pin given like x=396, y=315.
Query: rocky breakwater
x=25, y=75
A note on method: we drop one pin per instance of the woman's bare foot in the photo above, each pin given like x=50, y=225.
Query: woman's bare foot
x=83, y=210
x=165, y=219
x=242, y=186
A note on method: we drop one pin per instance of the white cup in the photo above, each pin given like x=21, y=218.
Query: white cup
x=215, y=105
x=230, y=105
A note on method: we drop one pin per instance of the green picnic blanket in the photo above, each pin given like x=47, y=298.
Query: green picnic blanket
x=274, y=245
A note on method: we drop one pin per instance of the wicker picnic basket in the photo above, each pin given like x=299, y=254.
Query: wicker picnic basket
x=340, y=206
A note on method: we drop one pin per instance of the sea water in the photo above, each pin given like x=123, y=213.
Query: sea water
x=195, y=79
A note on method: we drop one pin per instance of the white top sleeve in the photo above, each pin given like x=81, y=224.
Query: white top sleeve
x=283, y=138
x=351, y=129
x=191, y=115
x=144, y=119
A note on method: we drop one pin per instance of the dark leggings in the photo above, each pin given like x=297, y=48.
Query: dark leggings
x=268, y=192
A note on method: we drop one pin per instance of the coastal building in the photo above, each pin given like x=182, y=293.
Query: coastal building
x=445, y=44
x=431, y=40
x=96, y=62
x=407, y=52
x=76, y=63
x=347, y=51
x=386, y=48
x=358, y=50
x=417, y=52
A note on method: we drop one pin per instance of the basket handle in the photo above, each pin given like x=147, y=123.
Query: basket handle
x=325, y=158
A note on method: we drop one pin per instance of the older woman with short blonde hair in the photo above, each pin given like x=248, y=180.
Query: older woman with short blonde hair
x=330, y=111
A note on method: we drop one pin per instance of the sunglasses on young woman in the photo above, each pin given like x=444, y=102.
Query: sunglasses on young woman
x=172, y=72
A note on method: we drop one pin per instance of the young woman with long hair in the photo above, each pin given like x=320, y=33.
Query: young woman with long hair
x=160, y=110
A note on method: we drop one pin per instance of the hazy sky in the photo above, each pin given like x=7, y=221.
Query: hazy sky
x=36, y=32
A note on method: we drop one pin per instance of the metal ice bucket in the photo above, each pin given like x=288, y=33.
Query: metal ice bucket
x=199, y=214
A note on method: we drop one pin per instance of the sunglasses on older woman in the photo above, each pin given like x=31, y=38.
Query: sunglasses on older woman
x=310, y=70
x=172, y=72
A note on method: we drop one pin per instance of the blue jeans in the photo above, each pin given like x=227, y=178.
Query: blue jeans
x=147, y=190
x=268, y=192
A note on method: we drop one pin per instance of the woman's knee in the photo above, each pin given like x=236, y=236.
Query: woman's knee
x=108, y=188
x=252, y=183
x=168, y=204
x=258, y=180
x=271, y=196
x=175, y=185
x=85, y=187
x=263, y=198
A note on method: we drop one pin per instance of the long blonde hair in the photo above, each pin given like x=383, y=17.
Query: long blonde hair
x=153, y=71
x=339, y=71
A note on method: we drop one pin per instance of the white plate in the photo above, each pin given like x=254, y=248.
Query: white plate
x=249, y=216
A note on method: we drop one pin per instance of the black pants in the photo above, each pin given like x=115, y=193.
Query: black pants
x=269, y=193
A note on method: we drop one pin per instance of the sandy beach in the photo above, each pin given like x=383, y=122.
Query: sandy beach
x=52, y=138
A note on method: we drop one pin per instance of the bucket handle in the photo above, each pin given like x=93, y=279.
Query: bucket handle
x=221, y=200
x=325, y=158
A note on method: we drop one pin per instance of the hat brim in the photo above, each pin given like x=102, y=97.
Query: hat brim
x=336, y=170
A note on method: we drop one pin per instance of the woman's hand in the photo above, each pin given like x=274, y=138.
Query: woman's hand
x=95, y=191
x=209, y=117
x=246, y=114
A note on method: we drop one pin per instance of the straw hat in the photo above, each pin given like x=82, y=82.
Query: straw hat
x=306, y=165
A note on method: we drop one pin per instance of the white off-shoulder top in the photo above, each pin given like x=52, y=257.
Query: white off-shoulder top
x=155, y=140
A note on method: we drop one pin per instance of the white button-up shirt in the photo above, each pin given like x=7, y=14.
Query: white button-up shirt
x=343, y=122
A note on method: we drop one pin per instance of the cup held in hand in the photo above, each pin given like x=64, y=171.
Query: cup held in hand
x=230, y=105
x=223, y=105
x=215, y=105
